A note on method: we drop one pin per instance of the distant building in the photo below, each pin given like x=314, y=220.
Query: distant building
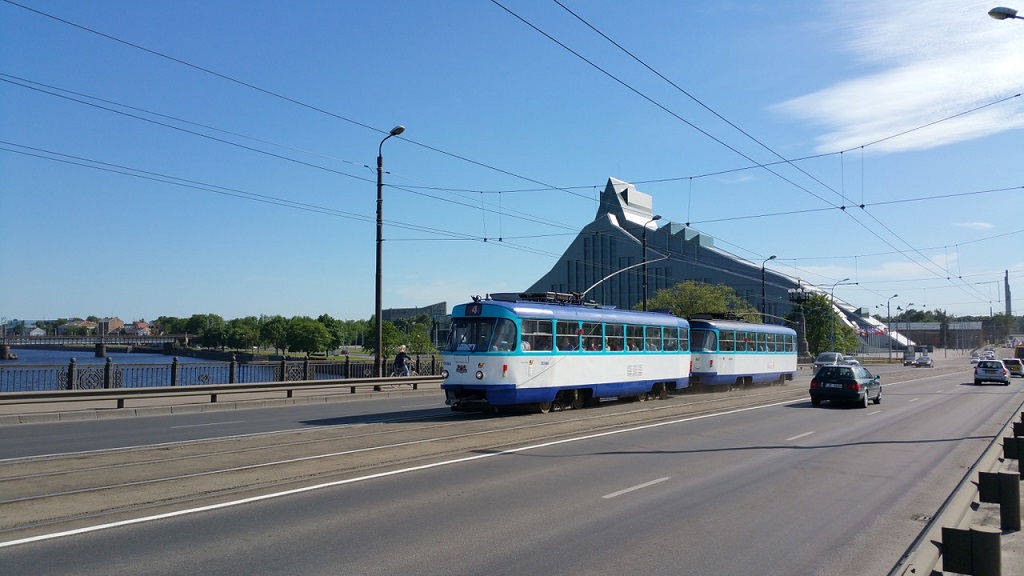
x=70, y=327
x=109, y=325
x=675, y=253
x=137, y=328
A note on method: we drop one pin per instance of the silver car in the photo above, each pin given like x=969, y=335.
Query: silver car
x=991, y=371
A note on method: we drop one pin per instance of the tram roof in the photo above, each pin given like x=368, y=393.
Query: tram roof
x=571, y=311
x=739, y=325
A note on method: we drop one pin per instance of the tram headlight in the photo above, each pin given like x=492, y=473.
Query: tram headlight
x=479, y=374
x=444, y=374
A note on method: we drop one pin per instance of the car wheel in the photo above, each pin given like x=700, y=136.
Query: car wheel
x=815, y=401
x=864, y=401
x=878, y=399
x=977, y=382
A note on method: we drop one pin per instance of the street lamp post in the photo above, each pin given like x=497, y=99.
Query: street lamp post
x=644, y=269
x=1003, y=13
x=378, y=359
x=832, y=333
x=888, y=324
x=764, y=301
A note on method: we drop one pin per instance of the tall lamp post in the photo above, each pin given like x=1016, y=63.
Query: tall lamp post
x=644, y=269
x=378, y=359
x=832, y=333
x=764, y=301
x=888, y=324
x=1003, y=13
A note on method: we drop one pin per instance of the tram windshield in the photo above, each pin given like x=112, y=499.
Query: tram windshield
x=703, y=341
x=481, y=335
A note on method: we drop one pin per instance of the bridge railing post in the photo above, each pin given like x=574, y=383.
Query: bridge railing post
x=348, y=367
x=233, y=370
x=305, y=368
x=174, y=371
x=72, y=374
x=284, y=370
x=108, y=373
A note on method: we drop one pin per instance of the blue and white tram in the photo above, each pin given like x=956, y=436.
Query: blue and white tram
x=735, y=353
x=545, y=351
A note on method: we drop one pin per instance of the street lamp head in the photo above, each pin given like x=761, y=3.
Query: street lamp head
x=397, y=130
x=772, y=257
x=895, y=295
x=1002, y=13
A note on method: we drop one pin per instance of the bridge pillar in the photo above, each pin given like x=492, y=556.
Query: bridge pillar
x=101, y=350
x=5, y=352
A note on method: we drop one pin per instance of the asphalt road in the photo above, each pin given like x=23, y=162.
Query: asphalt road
x=692, y=485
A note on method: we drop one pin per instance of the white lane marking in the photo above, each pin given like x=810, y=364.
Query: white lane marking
x=637, y=487
x=332, y=484
x=875, y=412
x=914, y=399
x=799, y=436
x=210, y=424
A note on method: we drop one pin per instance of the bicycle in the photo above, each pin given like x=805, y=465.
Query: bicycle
x=397, y=373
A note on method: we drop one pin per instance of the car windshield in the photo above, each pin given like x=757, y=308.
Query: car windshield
x=828, y=357
x=836, y=372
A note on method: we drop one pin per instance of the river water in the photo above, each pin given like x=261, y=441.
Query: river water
x=30, y=356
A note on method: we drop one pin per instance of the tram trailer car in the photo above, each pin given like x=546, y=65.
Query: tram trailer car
x=508, y=350
x=735, y=353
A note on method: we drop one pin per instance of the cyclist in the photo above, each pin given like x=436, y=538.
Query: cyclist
x=402, y=361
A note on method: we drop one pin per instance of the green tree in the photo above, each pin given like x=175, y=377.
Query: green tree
x=822, y=319
x=305, y=334
x=336, y=329
x=243, y=333
x=691, y=297
x=392, y=339
x=274, y=332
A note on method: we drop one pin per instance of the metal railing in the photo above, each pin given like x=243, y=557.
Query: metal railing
x=213, y=391
x=75, y=376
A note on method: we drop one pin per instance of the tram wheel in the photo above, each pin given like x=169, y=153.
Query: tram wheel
x=660, y=391
x=641, y=397
x=544, y=407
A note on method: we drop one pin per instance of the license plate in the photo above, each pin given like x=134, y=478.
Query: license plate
x=833, y=385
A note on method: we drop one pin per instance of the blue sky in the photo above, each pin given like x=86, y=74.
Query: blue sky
x=219, y=157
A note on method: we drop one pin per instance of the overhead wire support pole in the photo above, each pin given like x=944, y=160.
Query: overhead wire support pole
x=378, y=355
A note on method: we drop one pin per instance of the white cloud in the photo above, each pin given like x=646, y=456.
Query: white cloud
x=944, y=60
x=974, y=225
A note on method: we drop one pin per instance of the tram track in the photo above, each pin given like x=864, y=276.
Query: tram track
x=76, y=490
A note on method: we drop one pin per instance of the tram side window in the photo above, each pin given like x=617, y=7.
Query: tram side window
x=613, y=334
x=504, y=339
x=653, y=336
x=567, y=334
x=742, y=341
x=770, y=342
x=537, y=335
x=634, y=338
x=671, y=338
x=592, y=339
x=684, y=340
x=790, y=343
x=727, y=340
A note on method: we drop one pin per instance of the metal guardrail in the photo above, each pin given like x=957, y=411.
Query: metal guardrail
x=74, y=375
x=212, y=390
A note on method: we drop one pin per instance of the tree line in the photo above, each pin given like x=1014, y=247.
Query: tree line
x=301, y=334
